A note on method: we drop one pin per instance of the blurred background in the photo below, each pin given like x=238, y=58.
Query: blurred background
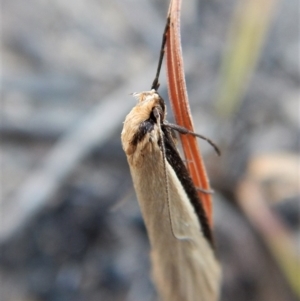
x=71, y=228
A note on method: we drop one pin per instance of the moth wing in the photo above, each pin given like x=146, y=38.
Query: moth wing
x=184, y=221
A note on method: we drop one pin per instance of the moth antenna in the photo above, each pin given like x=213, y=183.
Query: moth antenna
x=184, y=131
x=157, y=116
x=155, y=84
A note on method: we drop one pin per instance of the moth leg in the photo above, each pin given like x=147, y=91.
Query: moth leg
x=206, y=191
x=184, y=131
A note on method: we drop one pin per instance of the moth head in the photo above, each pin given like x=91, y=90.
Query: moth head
x=142, y=124
x=152, y=100
x=145, y=95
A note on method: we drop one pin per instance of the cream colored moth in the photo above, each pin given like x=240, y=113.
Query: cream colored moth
x=185, y=267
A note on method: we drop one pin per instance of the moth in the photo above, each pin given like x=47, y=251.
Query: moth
x=184, y=263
